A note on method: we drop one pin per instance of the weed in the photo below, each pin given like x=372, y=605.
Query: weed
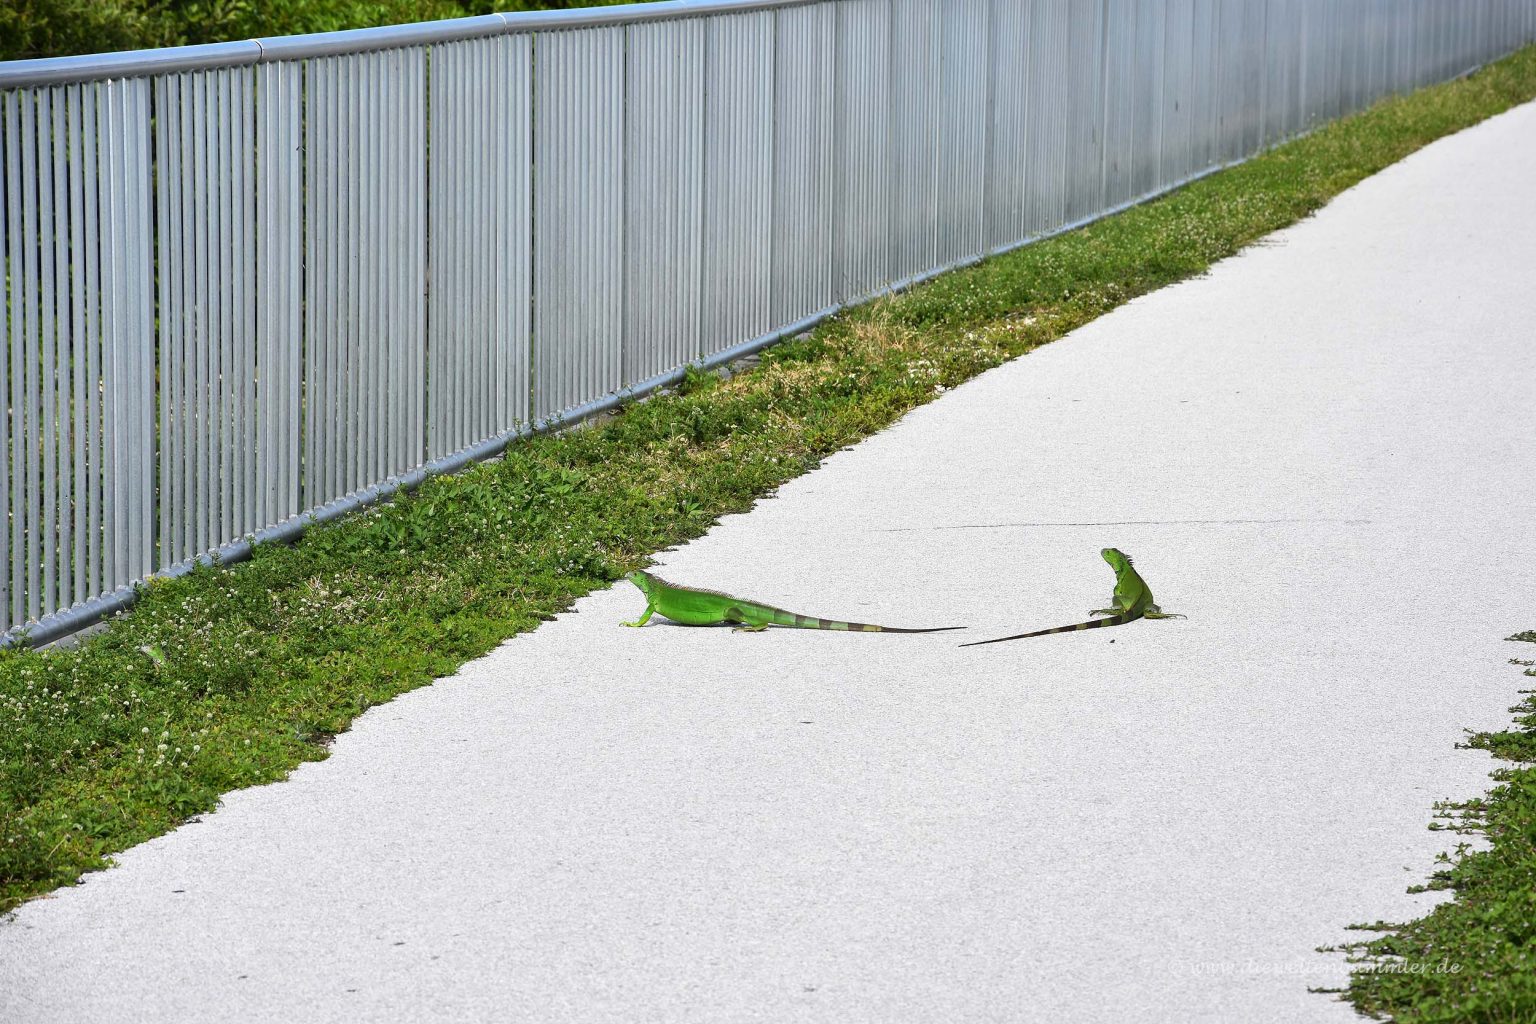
x=1473, y=958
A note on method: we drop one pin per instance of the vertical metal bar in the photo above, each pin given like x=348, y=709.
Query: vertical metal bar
x=143, y=284
x=496, y=108
x=437, y=310
x=13, y=481
x=46, y=395
x=265, y=283
x=418, y=306
x=392, y=352
x=31, y=405
x=467, y=255
x=80, y=340
x=326, y=165
x=186, y=133
x=344, y=326
x=202, y=475
x=95, y=450
x=169, y=314
x=7, y=243
x=219, y=349
x=520, y=190
x=316, y=241
x=409, y=284
x=114, y=461
x=457, y=262
x=296, y=232
x=384, y=69
x=62, y=368
x=349, y=437
x=336, y=182
x=250, y=369
x=371, y=174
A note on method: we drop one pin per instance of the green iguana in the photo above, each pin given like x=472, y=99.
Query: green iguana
x=708, y=607
x=1131, y=600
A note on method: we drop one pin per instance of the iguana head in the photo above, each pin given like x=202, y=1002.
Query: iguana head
x=644, y=580
x=1118, y=560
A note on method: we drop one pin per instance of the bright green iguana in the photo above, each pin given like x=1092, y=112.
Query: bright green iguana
x=708, y=607
x=1131, y=600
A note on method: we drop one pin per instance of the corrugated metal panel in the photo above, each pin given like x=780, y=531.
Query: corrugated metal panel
x=366, y=331
x=664, y=197
x=1147, y=102
x=1204, y=149
x=481, y=238
x=805, y=162
x=1177, y=160
x=578, y=210
x=738, y=185
x=77, y=234
x=962, y=131
x=230, y=337
x=1120, y=88
x=916, y=102
x=279, y=285
x=1008, y=134
x=862, y=207
x=1084, y=110
x=1050, y=89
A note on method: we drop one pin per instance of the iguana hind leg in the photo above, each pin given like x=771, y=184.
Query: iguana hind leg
x=1154, y=612
x=749, y=623
x=1105, y=611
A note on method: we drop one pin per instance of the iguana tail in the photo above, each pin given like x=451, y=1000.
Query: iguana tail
x=1113, y=620
x=784, y=618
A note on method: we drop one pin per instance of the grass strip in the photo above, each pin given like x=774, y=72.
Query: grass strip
x=232, y=677
x=1472, y=959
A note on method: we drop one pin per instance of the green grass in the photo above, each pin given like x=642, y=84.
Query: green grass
x=232, y=677
x=1472, y=959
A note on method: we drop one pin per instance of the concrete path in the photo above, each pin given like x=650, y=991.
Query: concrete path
x=1322, y=453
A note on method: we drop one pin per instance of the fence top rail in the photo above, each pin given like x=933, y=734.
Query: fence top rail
x=15, y=74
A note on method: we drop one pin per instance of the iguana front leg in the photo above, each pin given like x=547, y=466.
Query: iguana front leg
x=650, y=610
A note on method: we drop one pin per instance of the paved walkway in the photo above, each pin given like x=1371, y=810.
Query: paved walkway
x=1322, y=453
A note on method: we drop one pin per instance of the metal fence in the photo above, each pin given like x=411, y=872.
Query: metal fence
x=255, y=284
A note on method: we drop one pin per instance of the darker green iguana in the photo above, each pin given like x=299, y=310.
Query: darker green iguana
x=708, y=607
x=1131, y=600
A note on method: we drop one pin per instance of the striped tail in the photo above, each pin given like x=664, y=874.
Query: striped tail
x=784, y=618
x=1113, y=620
